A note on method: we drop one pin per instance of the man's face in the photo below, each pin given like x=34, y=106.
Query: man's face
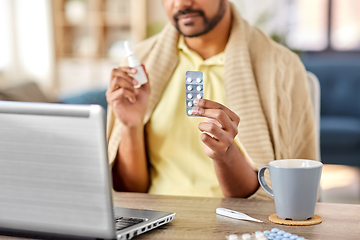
x=194, y=18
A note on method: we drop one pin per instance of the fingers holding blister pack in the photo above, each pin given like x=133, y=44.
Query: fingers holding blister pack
x=194, y=90
x=220, y=126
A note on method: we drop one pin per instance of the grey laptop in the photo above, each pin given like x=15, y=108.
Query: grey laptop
x=55, y=178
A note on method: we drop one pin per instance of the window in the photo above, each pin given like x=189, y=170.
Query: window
x=5, y=30
x=345, y=25
x=324, y=25
x=25, y=40
x=307, y=29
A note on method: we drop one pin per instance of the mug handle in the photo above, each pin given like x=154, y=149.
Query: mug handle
x=262, y=181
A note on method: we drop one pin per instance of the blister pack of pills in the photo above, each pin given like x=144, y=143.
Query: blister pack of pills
x=265, y=235
x=194, y=89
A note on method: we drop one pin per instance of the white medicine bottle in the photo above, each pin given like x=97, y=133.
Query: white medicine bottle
x=140, y=75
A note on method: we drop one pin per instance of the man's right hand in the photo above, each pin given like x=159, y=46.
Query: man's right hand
x=128, y=103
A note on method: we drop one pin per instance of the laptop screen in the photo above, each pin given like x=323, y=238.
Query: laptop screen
x=54, y=174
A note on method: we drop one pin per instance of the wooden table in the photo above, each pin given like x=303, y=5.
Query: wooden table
x=196, y=218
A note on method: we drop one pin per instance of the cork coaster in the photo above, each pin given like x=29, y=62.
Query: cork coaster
x=315, y=220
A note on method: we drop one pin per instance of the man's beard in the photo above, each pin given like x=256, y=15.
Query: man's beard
x=209, y=24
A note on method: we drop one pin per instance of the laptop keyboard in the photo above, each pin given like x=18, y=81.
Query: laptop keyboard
x=123, y=222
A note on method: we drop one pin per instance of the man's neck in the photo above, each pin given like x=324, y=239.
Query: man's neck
x=215, y=41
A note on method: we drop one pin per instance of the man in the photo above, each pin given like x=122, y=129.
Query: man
x=154, y=147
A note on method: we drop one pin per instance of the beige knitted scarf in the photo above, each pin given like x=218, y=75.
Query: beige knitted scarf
x=265, y=84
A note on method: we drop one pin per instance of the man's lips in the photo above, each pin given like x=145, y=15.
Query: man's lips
x=188, y=18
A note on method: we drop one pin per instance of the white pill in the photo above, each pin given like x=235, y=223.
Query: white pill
x=259, y=235
x=246, y=236
x=262, y=238
x=232, y=237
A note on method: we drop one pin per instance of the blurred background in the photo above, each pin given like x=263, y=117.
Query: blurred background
x=64, y=50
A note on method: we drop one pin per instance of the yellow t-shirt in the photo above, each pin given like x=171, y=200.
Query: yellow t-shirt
x=179, y=165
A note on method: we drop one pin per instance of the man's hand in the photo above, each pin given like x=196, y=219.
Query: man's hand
x=219, y=128
x=236, y=175
x=128, y=103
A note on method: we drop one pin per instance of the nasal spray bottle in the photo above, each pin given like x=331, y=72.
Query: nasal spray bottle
x=140, y=75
